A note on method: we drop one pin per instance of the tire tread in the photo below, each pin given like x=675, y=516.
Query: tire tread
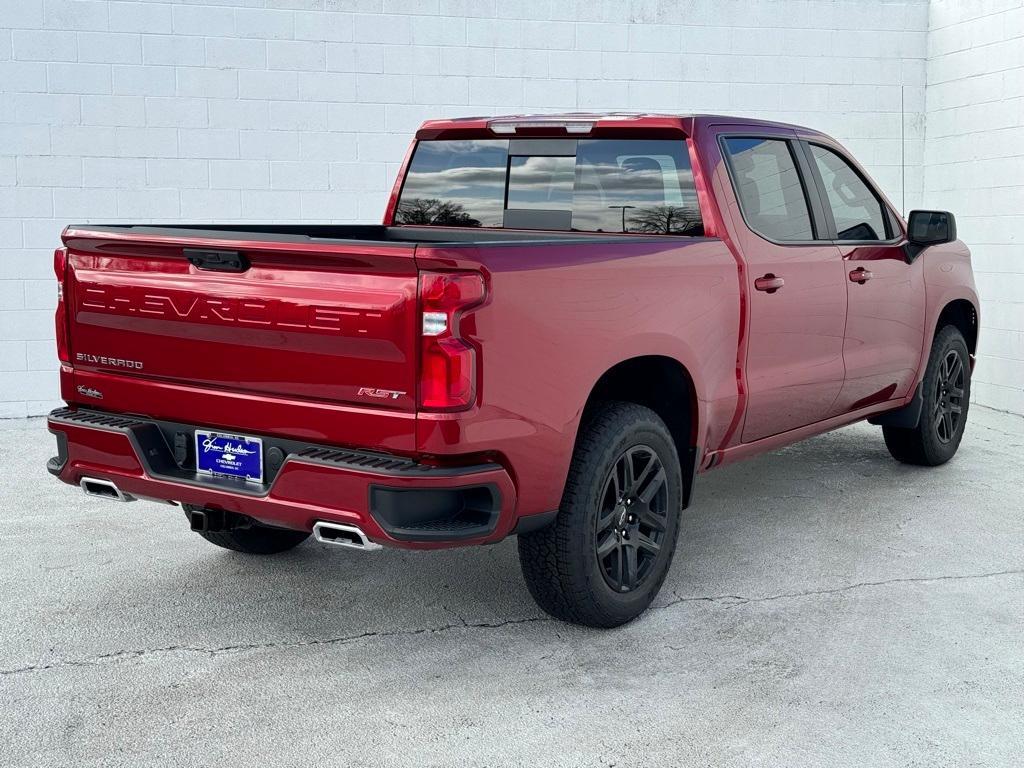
x=918, y=445
x=550, y=557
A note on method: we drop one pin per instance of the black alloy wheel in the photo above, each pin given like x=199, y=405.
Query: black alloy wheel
x=948, y=397
x=606, y=555
x=631, y=521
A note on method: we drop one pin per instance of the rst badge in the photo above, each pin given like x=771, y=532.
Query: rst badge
x=380, y=394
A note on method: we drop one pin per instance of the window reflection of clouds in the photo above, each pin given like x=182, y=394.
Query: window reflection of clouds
x=645, y=186
x=466, y=176
x=541, y=182
x=610, y=186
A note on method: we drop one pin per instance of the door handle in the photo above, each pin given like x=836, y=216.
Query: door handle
x=218, y=261
x=860, y=275
x=769, y=283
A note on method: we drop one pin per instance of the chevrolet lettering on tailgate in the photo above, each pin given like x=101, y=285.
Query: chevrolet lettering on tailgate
x=142, y=301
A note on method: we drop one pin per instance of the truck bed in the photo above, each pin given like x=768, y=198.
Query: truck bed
x=358, y=234
x=316, y=336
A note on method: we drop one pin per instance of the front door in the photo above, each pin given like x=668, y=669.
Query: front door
x=796, y=285
x=886, y=296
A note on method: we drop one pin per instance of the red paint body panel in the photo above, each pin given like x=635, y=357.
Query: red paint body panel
x=541, y=354
x=885, y=326
x=292, y=346
x=794, y=351
x=317, y=422
x=308, y=325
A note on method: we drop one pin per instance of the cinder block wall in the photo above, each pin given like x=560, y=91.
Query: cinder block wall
x=300, y=109
x=974, y=166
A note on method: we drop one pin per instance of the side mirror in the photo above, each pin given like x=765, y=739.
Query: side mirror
x=931, y=227
x=926, y=228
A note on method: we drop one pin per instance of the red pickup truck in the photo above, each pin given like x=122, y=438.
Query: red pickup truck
x=561, y=322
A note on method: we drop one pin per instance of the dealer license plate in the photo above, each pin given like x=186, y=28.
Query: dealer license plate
x=218, y=453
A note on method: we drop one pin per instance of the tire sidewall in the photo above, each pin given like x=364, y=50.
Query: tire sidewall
x=619, y=606
x=949, y=339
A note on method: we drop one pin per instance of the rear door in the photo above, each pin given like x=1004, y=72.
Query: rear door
x=305, y=320
x=795, y=283
x=886, y=296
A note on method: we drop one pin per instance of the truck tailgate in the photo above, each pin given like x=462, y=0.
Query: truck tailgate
x=327, y=322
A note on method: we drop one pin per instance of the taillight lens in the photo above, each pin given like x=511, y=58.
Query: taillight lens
x=60, y=268
x=447, y=360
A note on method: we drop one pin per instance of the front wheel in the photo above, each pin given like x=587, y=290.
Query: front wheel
x=607, y=554
x=946, y=392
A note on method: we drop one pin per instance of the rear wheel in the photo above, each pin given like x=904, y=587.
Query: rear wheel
x=253, y=538
x=607, y=554
x=946, y=392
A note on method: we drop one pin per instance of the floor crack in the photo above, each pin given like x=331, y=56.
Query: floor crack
x=727, y=600
x=732, y=600
x=116, y=656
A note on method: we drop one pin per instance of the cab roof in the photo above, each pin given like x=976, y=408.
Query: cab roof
x=580, y=123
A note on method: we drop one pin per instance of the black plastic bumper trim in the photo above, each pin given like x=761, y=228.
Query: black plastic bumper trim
x=436, y=514
x=56, y=464
x=152, y=441
x=532, y=523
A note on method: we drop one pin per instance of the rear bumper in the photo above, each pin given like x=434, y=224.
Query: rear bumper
x=396, y=501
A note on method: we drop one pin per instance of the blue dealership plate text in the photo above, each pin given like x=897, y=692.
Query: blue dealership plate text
x=232, y=455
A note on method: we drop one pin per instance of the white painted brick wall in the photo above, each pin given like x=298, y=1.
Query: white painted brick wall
x=284, y=110
x=974, y=166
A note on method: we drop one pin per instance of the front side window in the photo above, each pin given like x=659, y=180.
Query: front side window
x=856, y=209
x=586, y=185
x=769, y=189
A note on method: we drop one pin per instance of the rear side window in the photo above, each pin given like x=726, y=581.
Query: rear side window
x=635, y=186
x=769, y=188
x=455, y=184
x=856, y=209
x=587, y=185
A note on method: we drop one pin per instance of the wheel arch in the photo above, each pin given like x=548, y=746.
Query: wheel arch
x=662, y=384
x=963, y=315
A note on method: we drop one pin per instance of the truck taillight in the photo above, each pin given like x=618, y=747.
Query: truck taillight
x=60, y=268
x=447, y=360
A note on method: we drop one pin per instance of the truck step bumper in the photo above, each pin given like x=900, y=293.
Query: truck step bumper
x=395, y=500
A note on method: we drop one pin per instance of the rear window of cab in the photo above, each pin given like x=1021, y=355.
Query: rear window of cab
x=585, y=185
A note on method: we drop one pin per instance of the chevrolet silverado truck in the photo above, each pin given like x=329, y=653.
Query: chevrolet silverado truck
x=561, y=322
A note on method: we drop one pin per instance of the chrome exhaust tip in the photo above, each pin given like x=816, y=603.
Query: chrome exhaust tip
x=104, y=488
x=342, y=535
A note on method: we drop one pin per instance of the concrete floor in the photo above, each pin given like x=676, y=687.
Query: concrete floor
x=827, y=607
